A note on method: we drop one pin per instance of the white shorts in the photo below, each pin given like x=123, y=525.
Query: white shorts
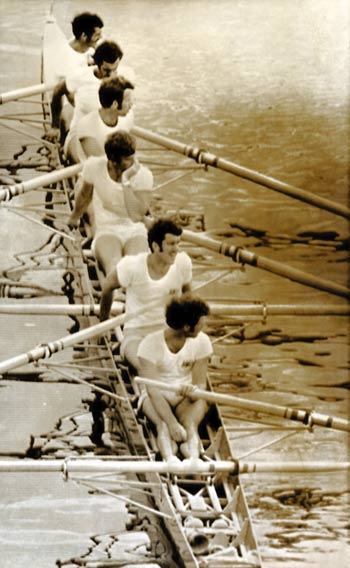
x=172, y=398
x=137, y=334
x=122, y=232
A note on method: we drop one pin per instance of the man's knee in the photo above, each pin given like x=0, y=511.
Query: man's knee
x=130, y=352
x=194, y=414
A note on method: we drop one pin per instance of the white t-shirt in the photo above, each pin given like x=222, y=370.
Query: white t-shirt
x=108, y=195
x=174, y=367
x=92, y=126
x=141, y=289
x=66, y=61
x=85, y=86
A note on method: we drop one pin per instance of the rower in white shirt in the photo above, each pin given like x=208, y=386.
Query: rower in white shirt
x=114, y=114
x=178, y=355
x=150, y=278
x=120, y=190
x=83, y=86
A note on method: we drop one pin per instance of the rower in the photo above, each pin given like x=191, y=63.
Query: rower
x=120, y=190
x=152, y=277
x=87, y=31
x=78, y=52
x=82, y=86
x=73, y=57
x=179, y=354
x=114, y=114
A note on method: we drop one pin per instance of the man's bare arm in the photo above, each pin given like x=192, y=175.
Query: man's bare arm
x=56, y=104
x=199, y=373
x=108, y=287
x=89, y=146
x=56, y=107
x=83, y=196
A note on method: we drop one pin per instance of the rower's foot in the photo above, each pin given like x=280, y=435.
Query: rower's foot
x=173, y=459
x=191, y=447
x=185, y=450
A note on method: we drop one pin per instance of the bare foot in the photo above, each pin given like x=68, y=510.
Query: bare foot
x=173, y=459
x=167, y=447
x=191, y=447
x=185, y=450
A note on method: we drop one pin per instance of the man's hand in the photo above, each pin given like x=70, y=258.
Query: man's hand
x=52, y=135
x=73, y=221
x=128, y=174
x=188, y=391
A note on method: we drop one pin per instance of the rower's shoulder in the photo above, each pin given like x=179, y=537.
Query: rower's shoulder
x=94, y=164
x=144, y=178
x=202, y=344
x=182, y=258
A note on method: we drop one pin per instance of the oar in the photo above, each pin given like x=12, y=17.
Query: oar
x=308, y=418
x=239, y=254
x=216, y=309
x=25, y=92
x=203, y=157
x=6, y=193
x=187, y=467
x=46, y=350
x=59, y=309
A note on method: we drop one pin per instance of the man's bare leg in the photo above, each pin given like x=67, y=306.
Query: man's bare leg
x=130, y=352
x=135, y=245
x=108, y=250
x=167, y=446
x=191, y=414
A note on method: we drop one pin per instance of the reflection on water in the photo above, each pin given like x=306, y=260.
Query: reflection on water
x=265, y=84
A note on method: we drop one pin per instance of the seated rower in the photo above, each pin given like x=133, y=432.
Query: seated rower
x=149, y=278
x=81, y=87
x=120, y=190
x=77, y=53
x=114, y=114
x=179, y=354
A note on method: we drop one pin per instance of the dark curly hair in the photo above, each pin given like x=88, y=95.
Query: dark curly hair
x=108, y=51
x=120, y=145
x=157, y=232
x=112, y=89
x=86, y=23
x=185, y=311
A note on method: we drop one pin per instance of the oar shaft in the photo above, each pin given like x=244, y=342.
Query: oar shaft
x=240, y=254
x=25, y=92
x=293, y=467
x=59, y=309
x=256, y=177
x=266, y=310
x=72, y=466
x=41, y=181
x=308, y=418
x=216, y=309
x=47, y=350
x=117, y=467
